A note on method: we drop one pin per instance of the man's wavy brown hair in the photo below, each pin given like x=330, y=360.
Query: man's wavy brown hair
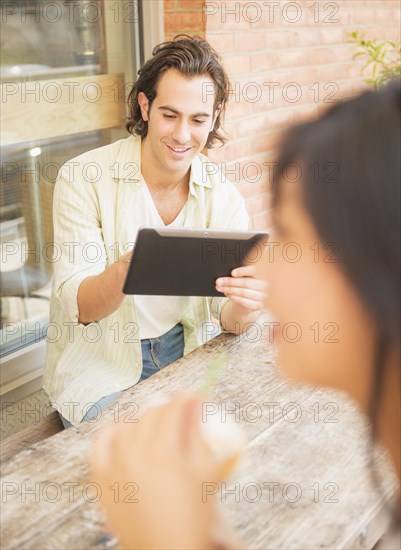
x=191, y=56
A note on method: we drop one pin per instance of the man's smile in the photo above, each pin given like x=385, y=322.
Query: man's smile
x=178, y=150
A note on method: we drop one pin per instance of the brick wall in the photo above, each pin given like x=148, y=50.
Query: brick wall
x=184, y=16
x=287, y=63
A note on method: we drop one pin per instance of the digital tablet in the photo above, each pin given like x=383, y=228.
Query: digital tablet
x=187, y=262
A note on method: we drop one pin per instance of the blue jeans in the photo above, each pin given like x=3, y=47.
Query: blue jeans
x=157, y=353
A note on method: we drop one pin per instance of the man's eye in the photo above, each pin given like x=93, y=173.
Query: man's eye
x=170, y=117
x=199, y=121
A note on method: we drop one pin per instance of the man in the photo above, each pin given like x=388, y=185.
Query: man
x=156, y=177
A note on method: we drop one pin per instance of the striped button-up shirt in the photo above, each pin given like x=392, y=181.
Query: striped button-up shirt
x=96, y=219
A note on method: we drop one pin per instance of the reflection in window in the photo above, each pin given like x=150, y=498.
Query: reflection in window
x=53, y=53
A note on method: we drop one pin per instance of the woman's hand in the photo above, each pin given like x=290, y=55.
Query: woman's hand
x=158, y=468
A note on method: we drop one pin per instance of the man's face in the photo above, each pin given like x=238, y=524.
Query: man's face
x=179, y=121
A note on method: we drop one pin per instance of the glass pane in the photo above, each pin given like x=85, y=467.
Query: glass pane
x=56, y=76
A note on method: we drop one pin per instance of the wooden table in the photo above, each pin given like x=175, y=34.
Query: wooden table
x=304, y=483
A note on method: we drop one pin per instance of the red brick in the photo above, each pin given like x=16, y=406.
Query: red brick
x=268, y=19
x=222, y=42
x=265, y=104
x=351, y=70
x=328, y=73
x=304, y=37
x=227, y=15
x=305, y=53
x=216, y=154
x=264, y=159
x=190, y=4
x=248, y=89
x=343, y=53
x=302, y=76
x=385, y=16
x=360, y=86
x=237, y=64
x=364, y=16
x=266, y=143
x=254, y=125
x=345, y=17
x=346, y=89
x=329, y=93
x=183, y=21
x=230, y=128
x=392, y=33
x=289, y=15
x=332, y=36
x=296, y=57
x=170, y=5
x=372, y=33
x=305, y=113
x=238, y=149
x=278, y=39
x=265, y=61
x=236, y=109
x=277, y=118
x=323, y=56
x=249, y=188
x=252, y=12
x=294, y=15
x=249, y=41
x=329, y=16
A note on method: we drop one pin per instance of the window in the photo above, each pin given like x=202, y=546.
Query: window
x=66, y=68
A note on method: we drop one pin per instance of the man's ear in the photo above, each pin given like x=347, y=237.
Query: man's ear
x=144, y=106
x=216, y=114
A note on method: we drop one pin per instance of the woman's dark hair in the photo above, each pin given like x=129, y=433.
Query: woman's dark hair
x=351, y=160
x=191, y=56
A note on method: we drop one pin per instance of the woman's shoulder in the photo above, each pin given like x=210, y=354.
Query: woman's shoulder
x=390, y=541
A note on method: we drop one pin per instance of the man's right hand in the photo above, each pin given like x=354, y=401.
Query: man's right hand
x=100, y=295
x=124, y=263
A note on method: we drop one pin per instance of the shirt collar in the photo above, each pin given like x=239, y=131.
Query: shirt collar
x=128, y=166
x=128, y=162
x=200, y=173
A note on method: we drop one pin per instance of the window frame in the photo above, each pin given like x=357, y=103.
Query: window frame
x=21, y=371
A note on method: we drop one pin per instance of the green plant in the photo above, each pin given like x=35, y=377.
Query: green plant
x=213, y=371
x=383, y=56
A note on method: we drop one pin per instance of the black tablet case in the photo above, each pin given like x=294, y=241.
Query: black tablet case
x=185, y=266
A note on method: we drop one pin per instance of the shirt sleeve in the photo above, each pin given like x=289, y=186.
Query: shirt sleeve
x=77, y=234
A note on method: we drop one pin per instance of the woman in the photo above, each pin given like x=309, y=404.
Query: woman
x=343, y=211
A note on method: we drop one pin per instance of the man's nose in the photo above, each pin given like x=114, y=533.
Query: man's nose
x=181, y=132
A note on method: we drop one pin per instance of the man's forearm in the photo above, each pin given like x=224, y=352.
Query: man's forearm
x=100, y=295
x=234, y=318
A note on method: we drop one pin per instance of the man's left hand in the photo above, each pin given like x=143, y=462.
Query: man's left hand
x=247, y=296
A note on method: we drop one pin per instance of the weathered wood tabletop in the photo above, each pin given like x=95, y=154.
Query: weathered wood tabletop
x=305, y=481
